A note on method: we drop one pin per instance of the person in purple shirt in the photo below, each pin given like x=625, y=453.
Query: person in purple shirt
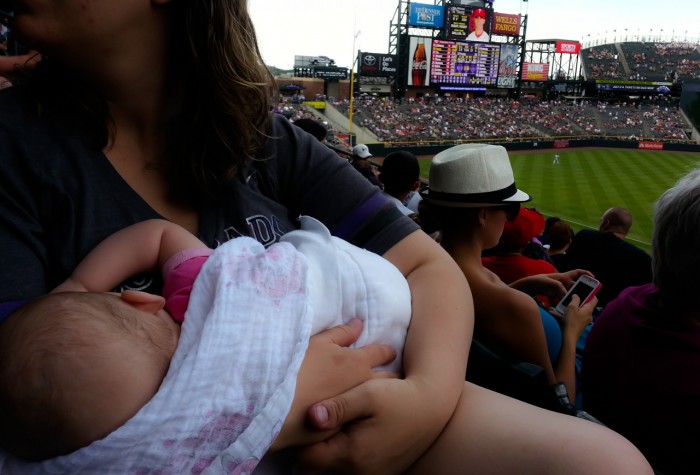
x=642, y=357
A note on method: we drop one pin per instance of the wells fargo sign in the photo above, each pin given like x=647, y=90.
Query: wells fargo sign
x=504, y=24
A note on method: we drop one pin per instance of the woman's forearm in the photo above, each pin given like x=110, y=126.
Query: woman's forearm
x=565, y=367
x=442, y=320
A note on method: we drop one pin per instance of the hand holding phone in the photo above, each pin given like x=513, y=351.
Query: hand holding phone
x=585, y=287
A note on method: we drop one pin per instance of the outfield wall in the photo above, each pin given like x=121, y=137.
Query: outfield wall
x=383, y=149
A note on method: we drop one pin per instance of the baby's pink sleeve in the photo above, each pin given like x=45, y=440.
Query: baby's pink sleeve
x=179, y=274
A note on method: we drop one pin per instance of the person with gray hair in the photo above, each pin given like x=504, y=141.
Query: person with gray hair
x=676, y=231
x=642, y=356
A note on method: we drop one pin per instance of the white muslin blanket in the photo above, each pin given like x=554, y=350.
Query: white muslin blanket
x=232, y=379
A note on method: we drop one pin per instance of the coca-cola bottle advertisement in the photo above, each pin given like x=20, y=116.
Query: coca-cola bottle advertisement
x=418, y=74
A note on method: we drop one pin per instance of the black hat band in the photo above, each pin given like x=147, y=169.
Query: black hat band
x=487, y=197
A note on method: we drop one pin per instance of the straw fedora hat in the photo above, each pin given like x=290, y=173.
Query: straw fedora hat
x=473, y=175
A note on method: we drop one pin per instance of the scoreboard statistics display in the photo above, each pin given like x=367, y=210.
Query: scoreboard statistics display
x=457, y=23
x=464, y=62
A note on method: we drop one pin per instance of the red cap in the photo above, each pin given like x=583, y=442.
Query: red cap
x=526, y=226
x=479, y=13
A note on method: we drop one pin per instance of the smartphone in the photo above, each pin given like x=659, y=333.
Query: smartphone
x=585, y=287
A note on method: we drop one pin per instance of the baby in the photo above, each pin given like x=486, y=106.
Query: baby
x=82, y=365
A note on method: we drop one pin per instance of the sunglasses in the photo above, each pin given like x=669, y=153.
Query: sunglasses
x=512, y=210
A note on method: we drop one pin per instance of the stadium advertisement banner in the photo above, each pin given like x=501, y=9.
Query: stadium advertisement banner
x=419, y=66
x=504, y=24
x=331, y=72
x=378, y=64
x=535, y=71
x=508, y=66
x=320, y=105
x=658, y=87
x=425, y=15
x=378, y=88
x=568, y=47
x=561, y=144
x=651, y=145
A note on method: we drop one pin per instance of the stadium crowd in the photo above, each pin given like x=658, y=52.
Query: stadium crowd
x=662, y=61
x=602, y=63
x=641, y=61
x=455, y=119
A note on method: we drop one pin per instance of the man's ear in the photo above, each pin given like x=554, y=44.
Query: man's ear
x=143, y=301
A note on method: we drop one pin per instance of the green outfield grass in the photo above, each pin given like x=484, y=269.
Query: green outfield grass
x=589, y=181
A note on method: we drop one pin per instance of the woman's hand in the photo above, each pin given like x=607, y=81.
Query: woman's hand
x=576, y=318
x=387, y=424
x=568, y=278
x=329, y=369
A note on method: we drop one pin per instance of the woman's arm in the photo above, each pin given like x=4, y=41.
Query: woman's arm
x=514, y=320
x=392, y=421
x=135, y=249
x=510, y=321
x=575, y=321
x=552, y=285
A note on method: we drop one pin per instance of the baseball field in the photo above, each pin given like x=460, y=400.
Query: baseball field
x=586, y=182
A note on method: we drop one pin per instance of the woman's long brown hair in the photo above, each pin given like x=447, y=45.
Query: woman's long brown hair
x=222, y=96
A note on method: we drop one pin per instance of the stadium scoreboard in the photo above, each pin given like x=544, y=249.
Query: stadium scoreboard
x=464, y=63
x=457, y=24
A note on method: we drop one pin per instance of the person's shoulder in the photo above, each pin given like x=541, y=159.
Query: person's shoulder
x=632, y=303
x=512, y=301
x=494, y=294
x=585, y=237
x=622, y=245
x=540, y=266
x=280, y=122
x=287, y=139
x=587, y=233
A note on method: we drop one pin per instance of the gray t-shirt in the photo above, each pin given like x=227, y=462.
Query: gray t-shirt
x=59, y=197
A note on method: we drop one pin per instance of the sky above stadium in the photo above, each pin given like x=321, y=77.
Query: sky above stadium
x=330, y=27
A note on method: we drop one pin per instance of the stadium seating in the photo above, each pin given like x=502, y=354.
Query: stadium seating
x=642, y=61
x=454, y=119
